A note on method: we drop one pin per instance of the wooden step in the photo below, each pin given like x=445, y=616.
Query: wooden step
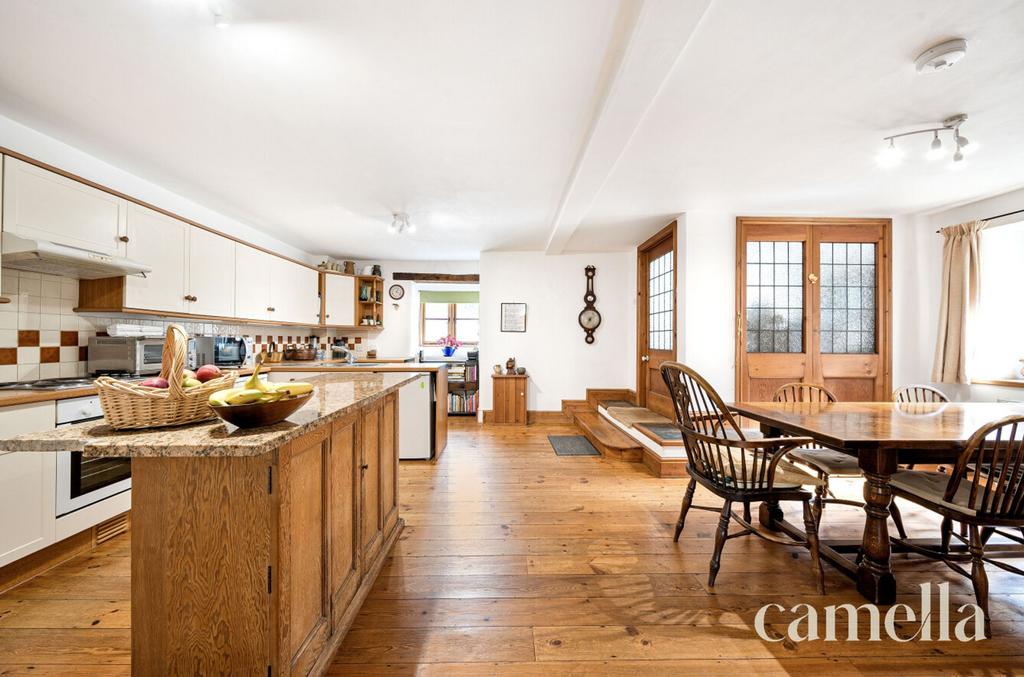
x=606, y=438
x=595, y=395
x=571, y=407
x=664, y=467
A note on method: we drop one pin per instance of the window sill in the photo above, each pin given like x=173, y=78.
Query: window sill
x=1005, y=382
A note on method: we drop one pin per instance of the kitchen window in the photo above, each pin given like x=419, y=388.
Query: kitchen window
x=449, y=314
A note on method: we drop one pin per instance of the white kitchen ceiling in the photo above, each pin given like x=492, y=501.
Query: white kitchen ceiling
x=531, y=125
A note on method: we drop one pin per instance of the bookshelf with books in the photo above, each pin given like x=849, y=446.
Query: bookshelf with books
x=464, y=386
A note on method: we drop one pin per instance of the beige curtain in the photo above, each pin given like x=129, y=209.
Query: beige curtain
x=961, y=269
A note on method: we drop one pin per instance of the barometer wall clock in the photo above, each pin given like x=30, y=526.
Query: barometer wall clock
x=589, y=318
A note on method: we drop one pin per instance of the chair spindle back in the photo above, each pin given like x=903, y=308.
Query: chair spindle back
x=803, y=392
x=917, y=393
x=993, y=465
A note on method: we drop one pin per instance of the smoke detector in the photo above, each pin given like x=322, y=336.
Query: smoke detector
x=941, y=56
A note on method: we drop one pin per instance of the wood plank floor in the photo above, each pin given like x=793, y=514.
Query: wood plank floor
x=517, y=562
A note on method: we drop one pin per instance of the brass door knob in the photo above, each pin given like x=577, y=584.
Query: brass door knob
x=813, y=278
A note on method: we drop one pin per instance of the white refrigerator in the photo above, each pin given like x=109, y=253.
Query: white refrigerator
x=415, y=420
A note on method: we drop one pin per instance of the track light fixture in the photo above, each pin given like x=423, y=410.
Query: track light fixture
x=891, y=155
x=400, y=224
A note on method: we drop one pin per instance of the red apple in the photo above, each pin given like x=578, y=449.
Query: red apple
x=155, y=382
x=207, y=372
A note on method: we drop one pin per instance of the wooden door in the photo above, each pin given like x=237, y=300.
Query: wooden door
x=41, y=204
x=252, y=283
x=656, y=317
x=343, y=515
x=812, y=305
x=389, y=463
x=371, y=527
x=161, y=243
x=211, y=273
x=304, y=556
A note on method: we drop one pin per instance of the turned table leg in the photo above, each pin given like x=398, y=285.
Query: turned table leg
x=875, y=580
x=769, y=514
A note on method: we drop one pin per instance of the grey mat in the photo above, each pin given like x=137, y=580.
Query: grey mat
x=608, y=404
x=572, y=445
x=664, y=431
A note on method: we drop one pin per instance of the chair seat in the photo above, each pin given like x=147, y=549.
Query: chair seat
x=832, y=463
x=931, y=486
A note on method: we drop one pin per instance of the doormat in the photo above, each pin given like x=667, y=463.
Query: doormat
x=663, y=431
x=572, y=445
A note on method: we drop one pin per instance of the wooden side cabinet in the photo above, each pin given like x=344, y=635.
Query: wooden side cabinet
x=509, y=399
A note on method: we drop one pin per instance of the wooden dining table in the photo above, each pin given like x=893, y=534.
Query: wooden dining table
x=881, y=435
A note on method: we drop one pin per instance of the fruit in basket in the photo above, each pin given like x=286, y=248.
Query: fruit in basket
x=188, y=373
x=190, y=383
x=155, y=382
x=207, y=372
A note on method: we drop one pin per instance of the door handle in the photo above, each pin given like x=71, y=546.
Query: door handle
x=812, y=278
x=645, y=358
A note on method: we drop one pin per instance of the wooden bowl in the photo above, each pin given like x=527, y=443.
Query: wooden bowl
x=259, y=414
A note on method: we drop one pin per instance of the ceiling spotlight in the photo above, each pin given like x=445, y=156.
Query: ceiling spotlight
x=935, y=151
x=400, y=224
x=958, y=156
x=890, y=156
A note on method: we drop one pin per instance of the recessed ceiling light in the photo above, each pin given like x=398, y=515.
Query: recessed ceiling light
x=941, y=56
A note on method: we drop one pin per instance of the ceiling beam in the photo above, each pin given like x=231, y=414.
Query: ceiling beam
x=651, y=37
x=437, y=277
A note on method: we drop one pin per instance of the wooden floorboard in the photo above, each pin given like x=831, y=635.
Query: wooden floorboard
x=519, y=562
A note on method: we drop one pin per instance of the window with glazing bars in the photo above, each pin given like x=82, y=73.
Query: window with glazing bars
x=848, y=308
x=660, y=296
x=775, y=297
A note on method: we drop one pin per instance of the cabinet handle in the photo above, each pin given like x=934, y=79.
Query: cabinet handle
x=365, y=466
x=123, y=238
x=191, y=298
x=270, y=309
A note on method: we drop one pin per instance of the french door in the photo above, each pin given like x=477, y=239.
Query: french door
x=813, y=301
x=656, y=318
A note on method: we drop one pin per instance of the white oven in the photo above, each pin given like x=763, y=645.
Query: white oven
x=84, y=481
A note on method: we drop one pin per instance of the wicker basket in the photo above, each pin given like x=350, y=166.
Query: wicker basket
x=132, y=406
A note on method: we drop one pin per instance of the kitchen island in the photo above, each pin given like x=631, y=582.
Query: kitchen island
x=252, y=550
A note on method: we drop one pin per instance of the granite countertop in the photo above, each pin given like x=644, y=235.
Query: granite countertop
x=335, y=395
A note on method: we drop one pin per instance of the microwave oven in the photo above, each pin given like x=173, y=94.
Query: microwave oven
x=223, y=351
x=124, y=355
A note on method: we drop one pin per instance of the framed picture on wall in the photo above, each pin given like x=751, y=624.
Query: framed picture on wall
x=513, y=317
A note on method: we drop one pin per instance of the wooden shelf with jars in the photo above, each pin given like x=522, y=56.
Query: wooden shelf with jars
x=370, y=301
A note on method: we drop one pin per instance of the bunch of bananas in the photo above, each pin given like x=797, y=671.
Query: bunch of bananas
x=256, y=391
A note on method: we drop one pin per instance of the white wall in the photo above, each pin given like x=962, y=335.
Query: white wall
x=400, y=336
x=560, y=364
x=22, y=139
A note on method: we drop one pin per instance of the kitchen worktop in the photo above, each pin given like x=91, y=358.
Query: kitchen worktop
x=335, y=395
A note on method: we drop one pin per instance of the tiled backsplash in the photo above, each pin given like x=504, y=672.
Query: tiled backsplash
x=42, y=337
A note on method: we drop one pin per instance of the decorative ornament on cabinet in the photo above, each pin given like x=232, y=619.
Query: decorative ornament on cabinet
x=510, y=366
x=589, y=318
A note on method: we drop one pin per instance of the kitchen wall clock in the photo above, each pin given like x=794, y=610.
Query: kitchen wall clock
x=589, y=318
x=396, y=291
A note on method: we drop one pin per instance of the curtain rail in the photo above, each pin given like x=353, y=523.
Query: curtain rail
x=997, y=216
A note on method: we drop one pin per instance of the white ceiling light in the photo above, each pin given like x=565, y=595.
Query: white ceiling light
x=400, y=224
x=941, y=56
x=891, y=155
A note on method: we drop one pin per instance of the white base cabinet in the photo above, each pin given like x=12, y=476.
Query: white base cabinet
x=27, y=485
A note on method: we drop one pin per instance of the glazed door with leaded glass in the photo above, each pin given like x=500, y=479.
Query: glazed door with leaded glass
x=656, y=321
x=812, y=306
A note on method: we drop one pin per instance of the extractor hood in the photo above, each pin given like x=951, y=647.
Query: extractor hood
x=41, y=256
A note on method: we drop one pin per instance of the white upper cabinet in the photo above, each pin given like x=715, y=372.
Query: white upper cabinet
x=47, y=206
x=294, y=292
x=211, y=274
x=158, y=241
x=340, y=300
x=252, y=283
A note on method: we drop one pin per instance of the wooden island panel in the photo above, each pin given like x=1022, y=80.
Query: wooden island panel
x=258, y=564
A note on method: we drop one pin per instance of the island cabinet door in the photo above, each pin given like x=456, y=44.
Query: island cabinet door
x=371, y=526
x=343, y=515
x=303, y=598
x=389, y=464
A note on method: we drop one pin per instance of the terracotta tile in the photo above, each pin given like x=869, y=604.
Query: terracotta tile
x=69, y=338
x=83, y=353
x=28, y=338
x=8, y=356
x=359, y=339
x=49, y=354
x=259, y=339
